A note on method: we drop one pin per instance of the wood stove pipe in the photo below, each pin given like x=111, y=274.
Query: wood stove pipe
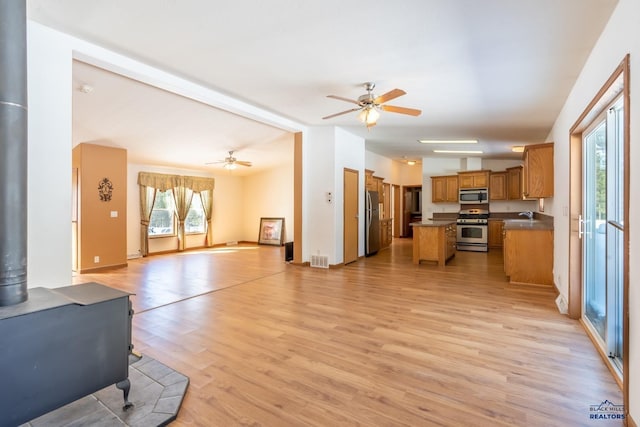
x=13, y=152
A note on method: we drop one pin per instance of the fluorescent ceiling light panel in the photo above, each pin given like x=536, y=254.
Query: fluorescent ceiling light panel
x=517, y=148
x=458, y=151
x=448, y=141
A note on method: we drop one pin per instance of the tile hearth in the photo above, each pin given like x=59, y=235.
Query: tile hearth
x=157, y=392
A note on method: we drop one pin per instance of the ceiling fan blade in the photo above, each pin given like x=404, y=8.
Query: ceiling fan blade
x=401, y=110
x=238, y=162
x=216, y=163
x=392, y=94
x=353, y=101
x=339, y=114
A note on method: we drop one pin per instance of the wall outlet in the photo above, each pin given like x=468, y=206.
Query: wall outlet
x=114, y=214
x=96, y=259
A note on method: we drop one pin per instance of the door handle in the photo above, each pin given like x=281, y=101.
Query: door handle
x=580, y=226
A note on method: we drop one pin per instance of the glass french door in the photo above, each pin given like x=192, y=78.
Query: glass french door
x=602, y=230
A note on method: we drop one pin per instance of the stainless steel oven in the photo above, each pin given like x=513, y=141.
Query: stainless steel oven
x=473, y=230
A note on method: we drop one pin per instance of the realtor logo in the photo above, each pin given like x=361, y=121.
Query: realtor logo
x=606, y=411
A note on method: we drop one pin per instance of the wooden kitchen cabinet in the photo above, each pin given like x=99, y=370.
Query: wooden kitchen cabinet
x=369, y=182
x=498, y=186
x=444, y=189
x=434, y=241
x=386, y=233
x=452, y=237
x=373, y=183
x=528, y=256
x=473, y=179
x=495, y=231
x=538, y=170
x=514, y=183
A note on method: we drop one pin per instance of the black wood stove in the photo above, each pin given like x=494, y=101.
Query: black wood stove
x=60, y=345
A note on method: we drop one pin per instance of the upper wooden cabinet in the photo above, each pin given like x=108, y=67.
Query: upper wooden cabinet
x=444, y=189
x=373, y=183
x=369, y=182
x=514, y=183
x=538, y=170
x=473, y=179
x=498, y=186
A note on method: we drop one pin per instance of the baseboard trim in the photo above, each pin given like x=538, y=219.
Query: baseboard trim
x=99, y=269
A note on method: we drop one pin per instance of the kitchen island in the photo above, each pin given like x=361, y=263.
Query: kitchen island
x=434, y=241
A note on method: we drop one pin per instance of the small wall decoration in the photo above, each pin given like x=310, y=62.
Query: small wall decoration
x=271, y=231
x=105, y=189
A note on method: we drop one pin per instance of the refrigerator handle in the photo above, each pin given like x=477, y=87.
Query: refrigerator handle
x=369, y=208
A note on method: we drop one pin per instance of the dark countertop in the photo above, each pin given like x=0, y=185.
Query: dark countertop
x=431, y=223
x=525, y=224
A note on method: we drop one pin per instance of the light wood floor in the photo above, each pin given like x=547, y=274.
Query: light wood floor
x=380, y=342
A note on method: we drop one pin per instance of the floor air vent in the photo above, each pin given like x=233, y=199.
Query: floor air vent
x=320, y=261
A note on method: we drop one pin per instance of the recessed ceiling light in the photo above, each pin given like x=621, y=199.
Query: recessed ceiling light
x=448, y=141
x=458, y=151
x=517, y=148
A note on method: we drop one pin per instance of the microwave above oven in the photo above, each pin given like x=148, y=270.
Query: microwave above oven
x=473, y=196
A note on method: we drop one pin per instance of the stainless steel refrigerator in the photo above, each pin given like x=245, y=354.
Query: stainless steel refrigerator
x=372, y=223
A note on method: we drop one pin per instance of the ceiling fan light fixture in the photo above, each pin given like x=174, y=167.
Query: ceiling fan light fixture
x=369, y=116
x=230, y=166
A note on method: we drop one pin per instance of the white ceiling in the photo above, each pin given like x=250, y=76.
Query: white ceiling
x=495, y=70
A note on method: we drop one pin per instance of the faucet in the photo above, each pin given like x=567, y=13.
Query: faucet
x=528, y=214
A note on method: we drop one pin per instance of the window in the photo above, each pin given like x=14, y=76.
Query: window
x=195, y=221
x=163, y=221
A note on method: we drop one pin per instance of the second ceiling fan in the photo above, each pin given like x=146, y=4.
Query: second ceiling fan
x=370, y=105
x=231, y=162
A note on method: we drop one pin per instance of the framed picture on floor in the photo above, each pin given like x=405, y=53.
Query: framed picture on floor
x=271, y=231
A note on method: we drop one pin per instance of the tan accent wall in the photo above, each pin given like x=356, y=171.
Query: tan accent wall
x=99, y=234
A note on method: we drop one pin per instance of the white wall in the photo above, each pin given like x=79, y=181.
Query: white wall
x=268, y=194
x=49, y=157
x=326, y=152
x=318, y=227
x=381, y=166
x=392, y=171
x=409, y=175
x=620, y=36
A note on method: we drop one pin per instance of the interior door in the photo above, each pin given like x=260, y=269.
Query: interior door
x=351, y=218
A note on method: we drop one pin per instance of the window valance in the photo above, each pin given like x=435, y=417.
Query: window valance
x=163, y=182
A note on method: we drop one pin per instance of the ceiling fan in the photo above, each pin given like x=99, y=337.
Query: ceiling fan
x=370, y=105
x=230, y=162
